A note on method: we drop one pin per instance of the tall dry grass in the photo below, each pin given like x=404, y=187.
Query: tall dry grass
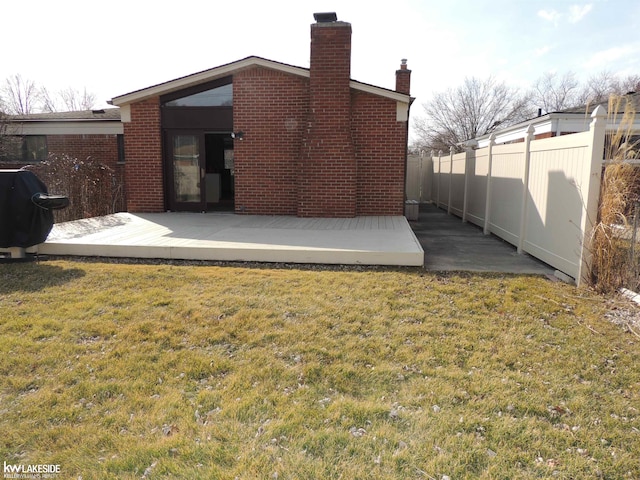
x=613, y=266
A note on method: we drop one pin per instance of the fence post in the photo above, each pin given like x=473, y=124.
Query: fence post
x=525, y=188
x=450, y=178
x=439, y=175
x=487, y=207
x=420, y=175
x=433, y=177
x=592, y=198
x=467, y=159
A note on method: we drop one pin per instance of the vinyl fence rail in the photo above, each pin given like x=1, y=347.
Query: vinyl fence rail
x=539, y=195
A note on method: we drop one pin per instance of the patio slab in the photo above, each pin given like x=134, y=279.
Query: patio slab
x=382, y=240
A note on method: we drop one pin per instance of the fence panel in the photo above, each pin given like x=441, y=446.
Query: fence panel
x=435, y=179
x=444, y=181
x=507, y=173
x=427, y=179
x=558, y=183
x=458, y=169
x=478, y=169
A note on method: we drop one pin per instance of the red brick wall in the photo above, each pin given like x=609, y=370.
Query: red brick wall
x=540, y=136
x=273, y=177
x=380, y=143
x=143, y=154
x=102, y=148
x=270, y=107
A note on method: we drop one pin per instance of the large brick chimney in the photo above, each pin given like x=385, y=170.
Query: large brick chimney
x=328, y=173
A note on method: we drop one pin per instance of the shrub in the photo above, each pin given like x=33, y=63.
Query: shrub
x=92, y=187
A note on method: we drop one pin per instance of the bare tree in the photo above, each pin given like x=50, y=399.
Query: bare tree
x=475, y=108
x=598, y=88
x=48, y=102
x=601, y=86
x=631, y=83
x=20, y=96
x=75, y=100
x=69, y=100
x=554, y=93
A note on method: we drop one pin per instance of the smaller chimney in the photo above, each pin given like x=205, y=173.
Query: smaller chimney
x=403, y=78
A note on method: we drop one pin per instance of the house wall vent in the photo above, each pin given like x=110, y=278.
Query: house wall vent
x=326, y=17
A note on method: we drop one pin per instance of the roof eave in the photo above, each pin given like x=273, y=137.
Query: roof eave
x=383, y=92
x=229, y=69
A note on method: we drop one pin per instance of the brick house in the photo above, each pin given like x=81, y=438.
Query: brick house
x=95, y=134
x=261, y=137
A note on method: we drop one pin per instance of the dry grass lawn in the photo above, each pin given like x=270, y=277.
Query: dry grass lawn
x=182, y=371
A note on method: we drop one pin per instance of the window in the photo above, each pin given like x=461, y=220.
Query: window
x=27, y=149
x=216, y=97
x=34, y=148
x=120, y=139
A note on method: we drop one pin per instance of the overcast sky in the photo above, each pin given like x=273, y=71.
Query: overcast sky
x=115, y=47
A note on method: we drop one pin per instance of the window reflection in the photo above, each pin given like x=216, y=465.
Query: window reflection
x=216, y=97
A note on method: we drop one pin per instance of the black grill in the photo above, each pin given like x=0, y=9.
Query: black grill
x=26, y=209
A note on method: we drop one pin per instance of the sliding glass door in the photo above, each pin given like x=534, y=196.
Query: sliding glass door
x=186, y=170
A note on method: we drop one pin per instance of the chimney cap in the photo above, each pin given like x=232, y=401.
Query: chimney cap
x=325, y=17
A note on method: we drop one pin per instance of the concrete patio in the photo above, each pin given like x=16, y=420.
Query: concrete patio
x=451, y=245
x=227, y=237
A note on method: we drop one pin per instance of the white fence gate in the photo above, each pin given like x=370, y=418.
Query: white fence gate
x=419, y=178
x=539, y=195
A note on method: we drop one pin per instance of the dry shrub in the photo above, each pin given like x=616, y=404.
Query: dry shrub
x=91, y=186
x=612, y=265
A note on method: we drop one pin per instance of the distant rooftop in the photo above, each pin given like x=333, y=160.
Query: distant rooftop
x=83, y=115
x=633, y=96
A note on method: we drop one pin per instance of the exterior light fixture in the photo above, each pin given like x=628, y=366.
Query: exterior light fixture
x=237, y=135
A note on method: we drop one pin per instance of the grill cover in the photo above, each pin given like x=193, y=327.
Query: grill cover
x=22, y=222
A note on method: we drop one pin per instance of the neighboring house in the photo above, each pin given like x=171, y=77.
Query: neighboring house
x=95, y=134
x=572, y=120
x=263, y=137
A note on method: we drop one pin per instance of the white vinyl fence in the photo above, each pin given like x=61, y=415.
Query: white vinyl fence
x=539, y=195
